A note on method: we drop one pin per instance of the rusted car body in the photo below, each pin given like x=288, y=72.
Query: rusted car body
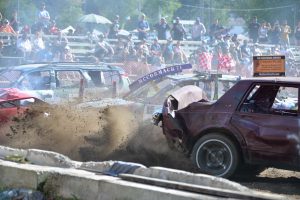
x=246, y=125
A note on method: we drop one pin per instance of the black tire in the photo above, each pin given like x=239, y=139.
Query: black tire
x=215, y=154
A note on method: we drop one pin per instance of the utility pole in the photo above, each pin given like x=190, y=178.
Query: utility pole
x=18, y=8
x=140, y=7
x=159, y=10
x=210, y=18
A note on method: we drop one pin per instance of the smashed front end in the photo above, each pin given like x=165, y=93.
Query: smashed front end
x=175, y=114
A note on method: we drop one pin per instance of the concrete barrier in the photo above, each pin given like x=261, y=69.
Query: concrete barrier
x=57, y=174
x=40, y=157
x=84, y=185
x=191, y=178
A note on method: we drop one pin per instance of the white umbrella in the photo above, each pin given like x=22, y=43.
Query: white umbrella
x=93, y=18
x=123, y=32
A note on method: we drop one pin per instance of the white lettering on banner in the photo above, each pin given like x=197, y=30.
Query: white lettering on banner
x=161, y=73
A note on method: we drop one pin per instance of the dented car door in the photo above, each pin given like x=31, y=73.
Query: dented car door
x=270, y=128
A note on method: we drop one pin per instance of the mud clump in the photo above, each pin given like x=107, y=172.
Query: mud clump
x=110, y=133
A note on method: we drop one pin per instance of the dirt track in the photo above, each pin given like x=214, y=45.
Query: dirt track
x=113, y=134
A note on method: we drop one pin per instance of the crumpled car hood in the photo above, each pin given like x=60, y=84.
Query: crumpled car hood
x=187, y=95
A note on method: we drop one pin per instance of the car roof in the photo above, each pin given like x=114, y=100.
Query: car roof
x=292, y=80
x=73, y=65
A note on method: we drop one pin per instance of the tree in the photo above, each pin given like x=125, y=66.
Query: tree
x=129, y=10
x=64, y=12
x=109, y=9
x=163, y=8
x=26, y=9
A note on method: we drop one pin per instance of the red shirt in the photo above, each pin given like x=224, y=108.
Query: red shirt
x=7, y=29
x=226, y=63
x=205, y=59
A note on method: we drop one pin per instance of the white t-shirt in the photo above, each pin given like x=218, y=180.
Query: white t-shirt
x=24, y=45
x=44, y=16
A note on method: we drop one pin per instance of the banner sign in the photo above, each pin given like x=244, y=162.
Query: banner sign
x=159, y=74
x=268, y=65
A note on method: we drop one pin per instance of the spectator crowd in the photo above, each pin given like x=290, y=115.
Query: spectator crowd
x=217, y=49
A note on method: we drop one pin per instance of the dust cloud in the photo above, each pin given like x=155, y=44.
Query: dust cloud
x=90, y=134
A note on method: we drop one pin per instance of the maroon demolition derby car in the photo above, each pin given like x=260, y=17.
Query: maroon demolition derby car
x=255, y=122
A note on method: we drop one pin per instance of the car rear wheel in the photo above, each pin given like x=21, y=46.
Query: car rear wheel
x=216, y=155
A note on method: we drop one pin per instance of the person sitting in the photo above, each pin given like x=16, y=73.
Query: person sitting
x=38, y=46
x=24, y=46
x=103, y=48
x=54, y=30
x=179, y=55
x=6, y=28
x=156, y=53
x=67, y=55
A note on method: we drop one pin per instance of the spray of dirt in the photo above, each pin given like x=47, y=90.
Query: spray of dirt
x=66, y=129
x=111, y=133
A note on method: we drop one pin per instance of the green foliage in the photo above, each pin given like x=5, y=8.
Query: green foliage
x=271, y=15
x=155, y=8
x=108, y=9
x=205, y=9
x=70, y=14
x=129, y=10
x=27, y=10
x=67, y=12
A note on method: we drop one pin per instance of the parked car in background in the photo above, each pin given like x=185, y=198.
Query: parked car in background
x=256, y=122
x=56, y=82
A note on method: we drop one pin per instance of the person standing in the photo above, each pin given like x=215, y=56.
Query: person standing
x=204, y=59
x=198, y=30
x=167, y=51
x=44, y=17
x=114, y=28
x=143, y=28
x=178, y=30
x=14, y=21
x=297, y=34
x=253, y=29
x=263, y=32
x=285, y=32
x=162, y=29
x=216, y=31
x=275, y=33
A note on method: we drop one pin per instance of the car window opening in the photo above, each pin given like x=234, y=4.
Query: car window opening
x=272, y=99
